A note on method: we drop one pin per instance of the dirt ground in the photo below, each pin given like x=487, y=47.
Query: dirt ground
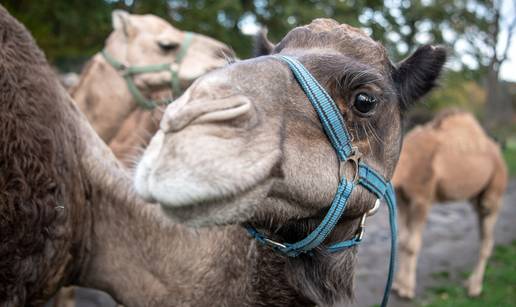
x=450, y=244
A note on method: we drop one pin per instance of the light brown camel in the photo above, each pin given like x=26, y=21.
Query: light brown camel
x=140, y=40
x=68, y=214
x=448, y=159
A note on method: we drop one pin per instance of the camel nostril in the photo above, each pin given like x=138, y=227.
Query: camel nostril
x=225, y=113
x=204, y=111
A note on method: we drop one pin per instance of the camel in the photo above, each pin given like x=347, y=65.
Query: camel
x=103, y=95
x=450, y=158
x=70, y=216
x=244, y=146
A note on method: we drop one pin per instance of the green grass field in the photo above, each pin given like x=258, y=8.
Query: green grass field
x=499, y=284
x=510, y=157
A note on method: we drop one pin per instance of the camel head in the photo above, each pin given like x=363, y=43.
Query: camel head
x=245, y=145
x=139, y=42
x=143, y=40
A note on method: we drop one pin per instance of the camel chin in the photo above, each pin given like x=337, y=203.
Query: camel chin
x=225, y=211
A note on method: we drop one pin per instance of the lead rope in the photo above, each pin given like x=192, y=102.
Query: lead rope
x=335, y=129
x=391, y=204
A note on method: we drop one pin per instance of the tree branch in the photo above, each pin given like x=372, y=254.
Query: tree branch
x=510, y=32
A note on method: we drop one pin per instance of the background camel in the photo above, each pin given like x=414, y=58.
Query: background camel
x=448, y=159
x=244, y=144
x=140, y=40
x=69, y=216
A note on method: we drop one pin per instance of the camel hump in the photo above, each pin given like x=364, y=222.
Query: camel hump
x=460, y=131
x=453, y=132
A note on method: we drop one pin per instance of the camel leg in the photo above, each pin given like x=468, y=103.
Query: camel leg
x=412, y=222
x=487, y=209
x=402, y=209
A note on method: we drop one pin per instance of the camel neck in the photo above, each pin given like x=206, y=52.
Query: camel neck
x=142, y=259
x=139, y=257
x=103, y=97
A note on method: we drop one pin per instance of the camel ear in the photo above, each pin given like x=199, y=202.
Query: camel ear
x=262, y=45
x=417, y=75
x=122, y=22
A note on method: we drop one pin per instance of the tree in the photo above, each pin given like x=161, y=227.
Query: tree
x=72, y=29
x=498, y=110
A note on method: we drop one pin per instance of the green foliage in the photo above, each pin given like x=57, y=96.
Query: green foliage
x=509, y=154
x=71, y=29
x=75, y=29
x=224, y=19
x=456, y=91
x=218, y=19
x=499, y=284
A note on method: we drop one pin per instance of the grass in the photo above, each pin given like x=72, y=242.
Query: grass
x=510, y=156
x=499, y=284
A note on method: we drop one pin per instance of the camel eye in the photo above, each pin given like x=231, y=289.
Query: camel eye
x=168, y=46
x=365, y=103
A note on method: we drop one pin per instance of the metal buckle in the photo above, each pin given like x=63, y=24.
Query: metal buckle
x=370, y=212
x=274, y=243
x=354, y=158
x=174, y=67
x=124, y=70
x=375, y=208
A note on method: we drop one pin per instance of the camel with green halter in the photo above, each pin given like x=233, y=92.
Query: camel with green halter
x=145, y=64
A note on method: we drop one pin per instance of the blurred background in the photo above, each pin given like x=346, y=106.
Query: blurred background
x=480, y=77
x=482, y=70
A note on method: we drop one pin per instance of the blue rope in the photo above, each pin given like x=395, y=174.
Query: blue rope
x=390, y=198
x=316, y=237
x=335, y=129
x=332, y=121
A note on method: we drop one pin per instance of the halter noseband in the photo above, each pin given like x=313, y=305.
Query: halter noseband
x=128, y=72
x=335, y=129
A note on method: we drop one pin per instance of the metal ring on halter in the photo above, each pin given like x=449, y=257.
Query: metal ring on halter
x=354, y=158
x=370, y=212
x=174, y=66
x=375, y=208
x=124, y=70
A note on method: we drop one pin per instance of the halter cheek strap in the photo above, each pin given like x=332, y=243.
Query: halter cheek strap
x=335, y=129
x=128, y=72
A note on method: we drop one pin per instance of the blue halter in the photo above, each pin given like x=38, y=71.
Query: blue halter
x=336, y=131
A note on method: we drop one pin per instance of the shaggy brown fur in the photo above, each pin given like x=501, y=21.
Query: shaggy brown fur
x=38, y=159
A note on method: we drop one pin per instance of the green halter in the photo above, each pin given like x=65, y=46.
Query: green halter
x=128, y=72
